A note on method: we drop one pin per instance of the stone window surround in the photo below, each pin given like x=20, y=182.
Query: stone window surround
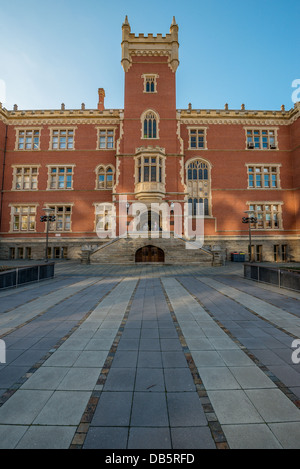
x=267, y=202
x=21, y=205
x=194, y=127
x=112, y=128
x=62, y=129
x=105, y=166
x=26, y=166
x=150, y=77
x=143, y=116
x=57, y=166
x=209, y=197
x=270, y=165
x=55, y=205
x=260, y=128
x=24, y=129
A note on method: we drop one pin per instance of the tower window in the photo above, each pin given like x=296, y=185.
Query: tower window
x=150, y=82
x=150, y=125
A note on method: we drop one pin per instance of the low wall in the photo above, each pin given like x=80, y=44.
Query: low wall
x=21, y=275
x=280, y=277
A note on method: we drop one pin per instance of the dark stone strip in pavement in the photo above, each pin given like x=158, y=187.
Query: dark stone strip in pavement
x=84, y=425
x=9, y=392
x=213, y=422
x=285, y=389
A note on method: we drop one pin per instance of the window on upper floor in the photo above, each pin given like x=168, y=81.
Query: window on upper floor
x=150, y=83
x=105, y=177
x=106, y=139
x=150, y=168
x=197, y=139
x=263, y=177
x=150, y=125
x=28, y=139
x=261, y=139
x=60, y=177
x=62, y=139
x=25, y=178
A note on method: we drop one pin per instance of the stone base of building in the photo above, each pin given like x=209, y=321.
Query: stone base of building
x=215, y=250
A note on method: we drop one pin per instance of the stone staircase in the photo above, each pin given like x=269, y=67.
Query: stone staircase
x=123, y=250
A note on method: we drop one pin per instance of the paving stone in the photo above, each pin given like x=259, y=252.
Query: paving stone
x=254, y=436
x=251, y=377
x=63, y=408
x=179, y=379
x=192, y=438
x=106, y=438
x=185, y=409
x=149, y=438
x=125, y=359
x=120, y=379
x=149, y=379
x=233, y=407
x=218, y=378
x=79, y=379
x=273, y=405
x=174, y=360
x=10, y=435
x=287, y=433
x=149, y=359
x=113, y=409
x=45, y=378
x=47, y=437
x=23, y=406
x=149, y=410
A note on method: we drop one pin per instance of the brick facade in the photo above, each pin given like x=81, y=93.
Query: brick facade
x=110, y=154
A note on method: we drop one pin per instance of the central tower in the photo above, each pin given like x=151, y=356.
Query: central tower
x=149, y=145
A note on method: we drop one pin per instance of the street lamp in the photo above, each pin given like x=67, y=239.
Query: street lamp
x=47, y=218
x=250, y=219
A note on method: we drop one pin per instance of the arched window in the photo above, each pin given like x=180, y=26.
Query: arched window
x=150, y=125
x=199, y=187
x=105, y=177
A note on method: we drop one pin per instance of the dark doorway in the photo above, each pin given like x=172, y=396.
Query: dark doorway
x=149, y=254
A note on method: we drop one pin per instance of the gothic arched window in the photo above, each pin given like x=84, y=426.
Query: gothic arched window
x=105, y=177
x=150, y=125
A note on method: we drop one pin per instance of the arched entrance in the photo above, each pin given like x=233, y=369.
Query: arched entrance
x=149, y=254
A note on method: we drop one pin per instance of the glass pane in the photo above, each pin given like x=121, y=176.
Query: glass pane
x=146, y=173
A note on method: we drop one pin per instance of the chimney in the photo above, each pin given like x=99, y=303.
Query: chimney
x=101, y=93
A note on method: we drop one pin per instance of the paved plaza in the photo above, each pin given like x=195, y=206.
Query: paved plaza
x=149, y=357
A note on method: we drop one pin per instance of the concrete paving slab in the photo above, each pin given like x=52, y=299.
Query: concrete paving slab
x=47, y=437
x=149, y=438
x=63, y=408
x=253, y=436
x=273, y=405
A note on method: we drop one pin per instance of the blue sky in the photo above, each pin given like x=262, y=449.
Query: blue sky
x=232, y=51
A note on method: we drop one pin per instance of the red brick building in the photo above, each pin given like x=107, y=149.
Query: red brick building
x=75, y=161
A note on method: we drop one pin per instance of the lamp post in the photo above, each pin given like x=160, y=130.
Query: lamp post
x=250, y=219
x=46, y=218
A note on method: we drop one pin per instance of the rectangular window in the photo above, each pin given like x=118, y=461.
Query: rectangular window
x=28, y=140
x=60, y=177
x=23, y=218
x=263, y=177
x=269, y=216
x=261, y=139
x=196, y=139
x=62, y=215
x=106, y=139
x=25, y=178
x=63, y=139
x=150, y=83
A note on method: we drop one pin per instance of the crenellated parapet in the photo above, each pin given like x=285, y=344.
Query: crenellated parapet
x=149, y=45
